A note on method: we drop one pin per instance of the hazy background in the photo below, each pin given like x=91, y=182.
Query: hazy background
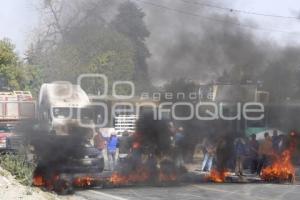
x=174, y=36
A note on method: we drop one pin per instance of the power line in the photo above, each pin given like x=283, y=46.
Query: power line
x=201, y=17
x=232, y=10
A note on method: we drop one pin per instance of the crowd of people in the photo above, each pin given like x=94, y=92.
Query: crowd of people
x=118, y=148
x=114, y=146
x=242, y=152
x=223, y=152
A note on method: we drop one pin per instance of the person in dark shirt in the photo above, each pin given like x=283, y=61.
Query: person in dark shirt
x=225, y=152
x=179, y=139
x=275, y=142
x=240, y=154
x=253, y=153
x=124, y=145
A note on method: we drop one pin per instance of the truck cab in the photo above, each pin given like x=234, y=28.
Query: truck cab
x=5, y=133
x=60, y=104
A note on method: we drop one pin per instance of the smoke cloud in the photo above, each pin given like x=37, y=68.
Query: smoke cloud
x=201, y=47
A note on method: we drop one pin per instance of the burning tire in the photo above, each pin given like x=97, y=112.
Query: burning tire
x=63, y=187
x=59, y=175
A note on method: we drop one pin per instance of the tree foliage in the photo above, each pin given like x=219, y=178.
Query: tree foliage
x=15, y=74
x=10, y=74
x=130, y=23
x=78, y=37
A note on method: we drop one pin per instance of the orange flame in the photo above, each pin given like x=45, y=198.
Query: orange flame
x=84, y=181
x=167, y=177
x=118, y=179
x=38, y=181
x=281, y=170
x=138, y=176
x=218, y=176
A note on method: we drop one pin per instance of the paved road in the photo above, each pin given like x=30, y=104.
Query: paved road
x=197, y=192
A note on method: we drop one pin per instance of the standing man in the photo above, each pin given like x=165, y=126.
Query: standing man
x=99, y=142
x=240, y=153
x=136, y=149
x=112, y=150
x=179, y=142
x=124, y=145
x=253, y=153
x=209, y=156
x=265, y=152
x=275, y=142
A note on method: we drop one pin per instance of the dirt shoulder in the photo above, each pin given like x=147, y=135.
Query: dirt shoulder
x=10, y=189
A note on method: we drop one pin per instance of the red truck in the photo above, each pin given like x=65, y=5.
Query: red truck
x=14, y=107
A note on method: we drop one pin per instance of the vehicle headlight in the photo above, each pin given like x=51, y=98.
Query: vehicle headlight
x=87, y=162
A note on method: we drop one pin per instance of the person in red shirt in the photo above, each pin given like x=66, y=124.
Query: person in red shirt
x=99, y=142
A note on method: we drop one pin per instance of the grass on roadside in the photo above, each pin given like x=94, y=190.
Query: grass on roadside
x=18, y=166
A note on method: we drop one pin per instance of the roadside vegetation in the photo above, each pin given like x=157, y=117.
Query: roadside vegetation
x=18, y=166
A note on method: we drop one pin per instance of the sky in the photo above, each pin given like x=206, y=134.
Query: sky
x=274, y=7
x=18, y=18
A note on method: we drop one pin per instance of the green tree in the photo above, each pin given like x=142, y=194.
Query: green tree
x=14, y=73
x=130, y=22
x=10, y=73
x=31, y=78
x=80, y=42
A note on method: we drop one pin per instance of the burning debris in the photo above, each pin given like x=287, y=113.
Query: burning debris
x=83, y=182
x=144, y=175
x=38, y=181
x=282, y=169
x=140, y=176
x=62, y=162
x=166, y=178
x=150, y=161
x=218, y=176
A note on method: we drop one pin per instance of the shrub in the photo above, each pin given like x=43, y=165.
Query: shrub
x=18, y=166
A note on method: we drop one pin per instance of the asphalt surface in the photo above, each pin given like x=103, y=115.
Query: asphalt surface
x=197, y=192
x=205, y=191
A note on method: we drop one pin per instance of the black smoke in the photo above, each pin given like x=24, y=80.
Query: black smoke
x=153, y=135
x=202, y=47
x=50, y=149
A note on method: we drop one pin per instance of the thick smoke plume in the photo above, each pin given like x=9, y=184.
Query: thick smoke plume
x=154, y=135
x=201, y=47
x=51, y=149
x=186, y=40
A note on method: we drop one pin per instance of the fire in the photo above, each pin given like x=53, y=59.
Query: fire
x=167, y=177
x=118, y=179
x=281, y=170
x=139, y=176
x=38, y=181
x=218, y=176
x=136, y=145
x=84, y=181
